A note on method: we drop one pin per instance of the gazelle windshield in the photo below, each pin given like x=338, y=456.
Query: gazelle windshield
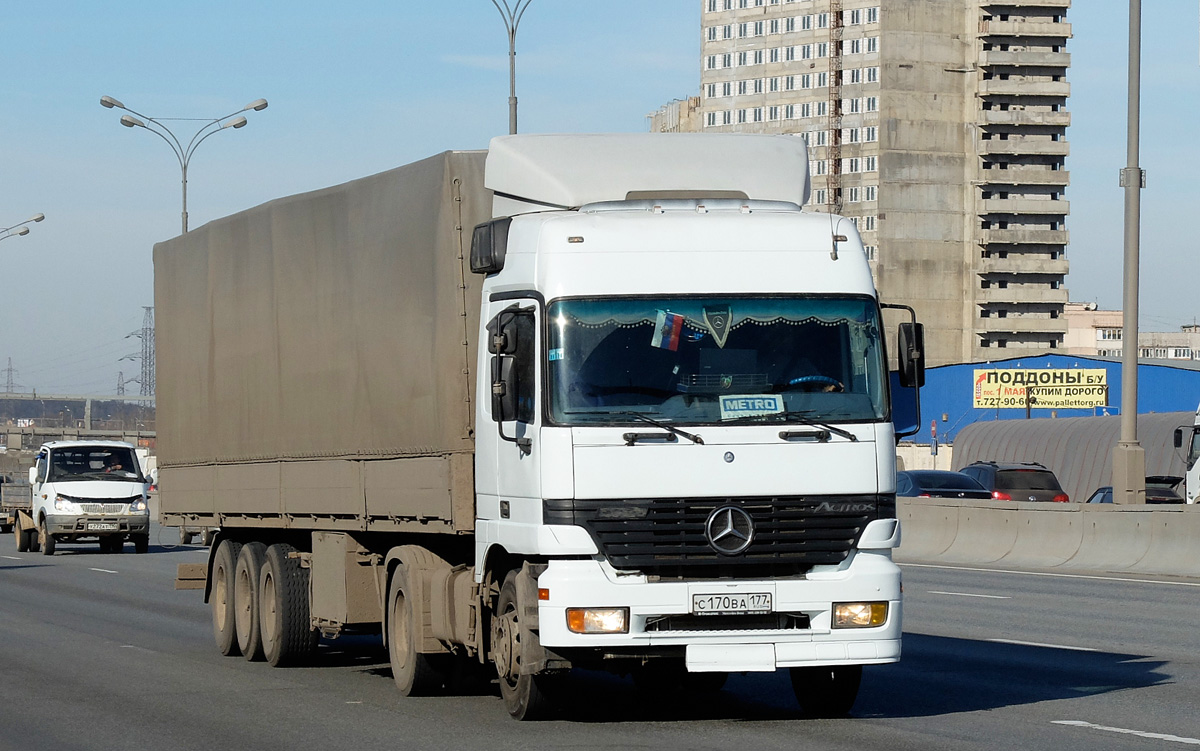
x=715, y=359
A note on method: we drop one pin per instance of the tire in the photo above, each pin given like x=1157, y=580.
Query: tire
x=141, y=543
x=245, y=600
x=416, y=674
x=116, y=544
x=185, y=537
x=23, y=540
x=827, y=691
x=288, y=637
x=220, y=598
x=524, y=696
x=105, y=544
x=5, y=529
x=45, y=539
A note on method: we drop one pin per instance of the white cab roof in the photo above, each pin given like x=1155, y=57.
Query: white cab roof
x=568, y=171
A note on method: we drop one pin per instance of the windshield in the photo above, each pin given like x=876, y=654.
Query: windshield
x=93, y=463
x=717, y=359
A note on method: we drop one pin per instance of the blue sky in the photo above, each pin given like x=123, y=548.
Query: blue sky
x=366, y=86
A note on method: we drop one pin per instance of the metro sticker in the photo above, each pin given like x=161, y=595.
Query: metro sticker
x=750, y=405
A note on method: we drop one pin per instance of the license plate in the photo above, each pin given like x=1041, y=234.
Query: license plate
x=741, y=603
x=103, y=526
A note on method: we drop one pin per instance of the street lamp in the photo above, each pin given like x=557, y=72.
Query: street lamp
x=183, y=153
x=19, y=230
x=1128, y=456
x=512, y=17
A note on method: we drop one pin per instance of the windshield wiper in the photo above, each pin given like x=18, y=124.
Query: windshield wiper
x=669, y=428
x=800, y=416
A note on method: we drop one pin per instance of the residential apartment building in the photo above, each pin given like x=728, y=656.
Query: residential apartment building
x=1100, y=333
x=937, y=126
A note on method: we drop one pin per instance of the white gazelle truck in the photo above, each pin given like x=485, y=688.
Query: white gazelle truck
x=579, y=401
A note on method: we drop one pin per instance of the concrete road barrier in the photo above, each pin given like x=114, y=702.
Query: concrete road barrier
x=1142, y=539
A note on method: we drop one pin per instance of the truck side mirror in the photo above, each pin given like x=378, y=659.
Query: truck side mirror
x=489, y=245
x=911, y=341
x=1178, y=438
x=32, y=475
x=504, y=388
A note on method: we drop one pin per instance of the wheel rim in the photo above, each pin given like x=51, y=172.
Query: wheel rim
x=221, y=597
x=400, y=631
x=268, y=617
x=505, y=647
x=242, y=603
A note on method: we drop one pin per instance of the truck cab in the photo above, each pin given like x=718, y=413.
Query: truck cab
x=1192, y=439
x=87, y=490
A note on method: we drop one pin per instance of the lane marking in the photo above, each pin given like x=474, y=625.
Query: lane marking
x=1126, y=731
x=1041, y=644
x=11, y=557
x=1048, y=573
x=969, y=594
x=104, y=570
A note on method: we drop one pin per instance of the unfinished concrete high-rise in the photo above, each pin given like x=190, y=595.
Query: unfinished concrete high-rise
x=938, y=126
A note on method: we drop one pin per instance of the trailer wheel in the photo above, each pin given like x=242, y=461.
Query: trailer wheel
x=524, y=696
x=221, y=597
x=415, y=673
x=245, y=600
x=288, y=637
x=826, y=691
x=45, y=539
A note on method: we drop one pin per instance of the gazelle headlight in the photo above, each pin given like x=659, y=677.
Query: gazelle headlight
x=138, y=506
x=65, y=505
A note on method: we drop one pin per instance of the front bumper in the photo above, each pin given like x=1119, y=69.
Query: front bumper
x=808, y=640
x=85, y=525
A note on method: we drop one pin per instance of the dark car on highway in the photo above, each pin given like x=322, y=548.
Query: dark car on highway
x=937, y=483
x=1159, y=489
x=1024, y=481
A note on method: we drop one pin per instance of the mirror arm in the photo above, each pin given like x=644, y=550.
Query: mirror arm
x=525, y=444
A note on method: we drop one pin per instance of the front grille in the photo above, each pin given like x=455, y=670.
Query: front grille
x=665, y=536
x=693, y=623
x=101, y=508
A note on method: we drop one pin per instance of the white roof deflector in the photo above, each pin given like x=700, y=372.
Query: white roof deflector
x=568, y=171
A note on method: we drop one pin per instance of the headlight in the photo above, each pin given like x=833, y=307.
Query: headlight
x=859, y=614
x=138, y=506
x=65, y=505
x=598, y=620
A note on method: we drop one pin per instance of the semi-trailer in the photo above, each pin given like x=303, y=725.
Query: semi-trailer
x=578, y=401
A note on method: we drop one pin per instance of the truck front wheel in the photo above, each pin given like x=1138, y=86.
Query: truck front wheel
x=415, y=672
x=245, y=600
x=46, y=539
x=524, y=696
x=24, y=539
x=826, y=691
x=284, y=616
x=221, y=597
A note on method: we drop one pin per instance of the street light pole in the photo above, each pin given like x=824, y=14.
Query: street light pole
x=183, y=152
x=1128, y=457
x=512, y=18
x=19, y=230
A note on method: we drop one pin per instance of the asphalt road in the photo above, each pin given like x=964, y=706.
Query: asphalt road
x=98, y=651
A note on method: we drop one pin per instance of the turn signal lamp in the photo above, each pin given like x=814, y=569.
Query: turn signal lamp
x=859, y=614
x=999, y=495
x=598, y=620
x=1062, y=498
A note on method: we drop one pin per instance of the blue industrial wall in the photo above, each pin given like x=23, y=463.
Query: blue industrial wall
x=949, y=392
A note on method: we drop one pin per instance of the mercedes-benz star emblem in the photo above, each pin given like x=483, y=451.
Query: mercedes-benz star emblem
x=729, y=530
